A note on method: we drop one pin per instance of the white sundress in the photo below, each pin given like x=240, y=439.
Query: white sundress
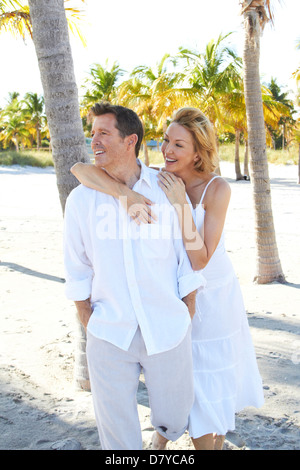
x=226, y=374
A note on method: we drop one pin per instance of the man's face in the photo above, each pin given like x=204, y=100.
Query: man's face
x=107, y=144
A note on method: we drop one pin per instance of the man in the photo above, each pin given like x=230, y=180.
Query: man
x=128, y=282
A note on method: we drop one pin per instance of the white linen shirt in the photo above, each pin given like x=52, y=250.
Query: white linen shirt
x=135, y=275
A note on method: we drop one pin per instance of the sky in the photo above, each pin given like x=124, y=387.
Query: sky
x=136, y=32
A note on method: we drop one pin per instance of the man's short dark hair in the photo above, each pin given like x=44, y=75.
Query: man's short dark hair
x=128, y=121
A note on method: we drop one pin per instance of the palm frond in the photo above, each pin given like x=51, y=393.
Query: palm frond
x=16, y=22
x=75, y=18
x=15, y=19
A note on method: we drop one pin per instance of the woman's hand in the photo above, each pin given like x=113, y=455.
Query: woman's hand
x=173, y=187
x=138, y=207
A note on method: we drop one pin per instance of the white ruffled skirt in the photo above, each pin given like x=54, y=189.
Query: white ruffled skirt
x=226, y=374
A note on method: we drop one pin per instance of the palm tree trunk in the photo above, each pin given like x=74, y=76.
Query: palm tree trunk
x=238, y=174
x=15, y=141
x=268, y=262
x=299, y=164
x=218, y=169
x=38, y=136
x=81, y=375
x=51, y=40
x=246, y=158
x=146, y=153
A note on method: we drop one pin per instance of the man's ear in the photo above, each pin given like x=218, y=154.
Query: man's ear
x=132, y=140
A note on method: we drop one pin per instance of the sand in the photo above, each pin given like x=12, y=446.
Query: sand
x=40, y=407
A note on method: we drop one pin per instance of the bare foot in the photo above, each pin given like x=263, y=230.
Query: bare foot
x=219, y=442
x=158, y=442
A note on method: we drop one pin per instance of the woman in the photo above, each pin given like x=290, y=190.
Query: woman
x=225, y=370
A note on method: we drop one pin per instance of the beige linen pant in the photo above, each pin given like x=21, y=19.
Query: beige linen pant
x=114, y=377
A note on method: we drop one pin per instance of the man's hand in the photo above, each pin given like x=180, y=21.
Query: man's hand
x=190, y=301
x=84, y=311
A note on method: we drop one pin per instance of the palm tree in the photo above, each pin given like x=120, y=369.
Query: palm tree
x=51, y=41
x=15, y=130
x=33, y=110
x=212, y=74
x=297, y=139
x=296, y=74
x=15, y=18
x=101, y=84
x=285, y=121
x=233, y=111
x=256, y=13
x=48, y=26
x=60, y=90
x=135, y=93
x=162, y=83
x=147, y=91
x=13, y=123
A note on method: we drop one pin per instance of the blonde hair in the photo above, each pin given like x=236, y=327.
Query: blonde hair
x=204, y=137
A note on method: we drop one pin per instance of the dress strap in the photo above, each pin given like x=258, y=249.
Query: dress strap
x=210, y=181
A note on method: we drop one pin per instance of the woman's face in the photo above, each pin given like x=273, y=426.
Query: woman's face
x=178, y=149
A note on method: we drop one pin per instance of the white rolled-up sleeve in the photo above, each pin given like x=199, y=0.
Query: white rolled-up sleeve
x=190, y=282
x=78, y=268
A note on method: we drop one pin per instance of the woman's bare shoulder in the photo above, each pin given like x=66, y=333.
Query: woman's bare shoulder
x=218, y=191
x=222, y=185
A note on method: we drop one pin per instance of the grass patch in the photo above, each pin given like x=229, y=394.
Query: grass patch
x=284, y=157
x=226, y=151
x=28, y=157
x=278, y=157
x=155, y=158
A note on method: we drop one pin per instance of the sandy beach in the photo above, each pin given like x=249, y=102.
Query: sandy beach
x=40, y=408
